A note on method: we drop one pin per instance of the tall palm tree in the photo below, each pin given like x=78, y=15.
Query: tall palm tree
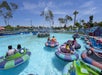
x=70, y=28
x=68, y=18
x=48, y=15
x=5, y=4
x=65, y=20
x=61, y=20
x=91, y=19
x=8, y=12
x=75, y=14
x=8, y=16
x=82, y=21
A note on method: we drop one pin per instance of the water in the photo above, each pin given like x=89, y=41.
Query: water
x=42, y=61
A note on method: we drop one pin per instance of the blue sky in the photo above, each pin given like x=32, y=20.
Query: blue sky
x=30, y=10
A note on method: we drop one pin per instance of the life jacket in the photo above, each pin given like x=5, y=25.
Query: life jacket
x=53, y=40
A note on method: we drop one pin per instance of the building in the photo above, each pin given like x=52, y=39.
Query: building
x=98, y=31
x=95, y=31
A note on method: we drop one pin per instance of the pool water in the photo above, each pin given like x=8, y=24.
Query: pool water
x=43, y=60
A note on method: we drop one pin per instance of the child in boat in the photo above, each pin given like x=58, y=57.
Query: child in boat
x=48, y=40
x=69, y=47
x=73, y=42
x=74, y=39
x=19, y=48
x=10, y=51
x=53, y=39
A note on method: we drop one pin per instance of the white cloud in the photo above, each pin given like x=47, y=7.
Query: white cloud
x=60, y=12
x=88, y=8
x=50, y=4
x=89, y=11
x=65, y=4
x=63, y=12
x=87, y=4
x=36, y=8
x=31, y=6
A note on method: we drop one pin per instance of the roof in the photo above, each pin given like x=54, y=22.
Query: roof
x=2, y=28
x=100, y=29
x=93, y=29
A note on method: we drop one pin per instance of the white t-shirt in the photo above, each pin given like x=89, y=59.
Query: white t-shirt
x=11, y=52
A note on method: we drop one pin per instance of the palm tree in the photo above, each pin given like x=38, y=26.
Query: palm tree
x=75, y=14
x=61, y=20
x=91, y=20
x=68, y=18
x=5, y=4
x=70, y=27
x=48, y=15
x=78, y=26
x=7, y=14
x=65, y=20
x=13, y=6
x=82, y=21
x=100, y=23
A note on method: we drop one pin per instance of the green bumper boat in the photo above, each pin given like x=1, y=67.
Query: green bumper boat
x=80, y=68
x=14, y=60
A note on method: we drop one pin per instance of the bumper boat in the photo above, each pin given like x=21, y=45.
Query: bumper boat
x=64, y=55
x=95, y=43
x=80, y=68
x=76, y=45
x=14, y=60
x=51, y=44
x=93, y=57
x=42, y=34
x=82, y=37
x=76, y=35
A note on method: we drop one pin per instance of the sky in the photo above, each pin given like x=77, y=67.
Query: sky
x=30, y=10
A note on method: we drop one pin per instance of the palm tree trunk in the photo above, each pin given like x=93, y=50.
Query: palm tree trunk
x=74, y=19
x=5, y=21
x=8, y=21
x=50, y=26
